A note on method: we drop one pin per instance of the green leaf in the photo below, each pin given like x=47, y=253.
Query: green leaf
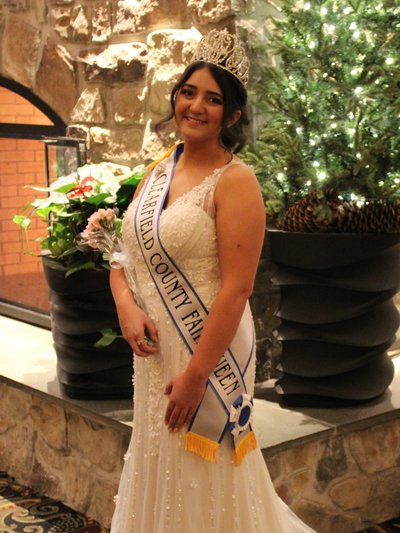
x=135, y=179
x=87, y=265
x=108, y=336
x=63, y=189
x=98, y=199
x=22, y=221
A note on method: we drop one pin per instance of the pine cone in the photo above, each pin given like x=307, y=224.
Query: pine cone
x=376, y=216
x=319, y=212
x=315, y=212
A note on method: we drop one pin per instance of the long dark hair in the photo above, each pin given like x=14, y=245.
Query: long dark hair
x=232, y=138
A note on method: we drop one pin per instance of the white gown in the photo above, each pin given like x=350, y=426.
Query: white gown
x=163, y=488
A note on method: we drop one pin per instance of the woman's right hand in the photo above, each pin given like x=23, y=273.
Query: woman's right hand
x=133, y=321
x=136, y=326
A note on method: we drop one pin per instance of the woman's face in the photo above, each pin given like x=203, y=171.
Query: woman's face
x=199, y=107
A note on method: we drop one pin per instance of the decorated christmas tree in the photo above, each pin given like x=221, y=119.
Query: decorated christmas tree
x=328, y=154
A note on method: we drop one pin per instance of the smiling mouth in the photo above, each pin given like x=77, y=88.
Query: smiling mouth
x=195, y=120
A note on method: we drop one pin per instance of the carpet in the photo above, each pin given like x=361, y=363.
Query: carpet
x=22, y=510
x=392, y=526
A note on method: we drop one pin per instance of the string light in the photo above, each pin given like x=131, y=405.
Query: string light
x=337, y=80
x=329, y=28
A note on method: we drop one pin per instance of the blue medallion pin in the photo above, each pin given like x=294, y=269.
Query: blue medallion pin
x=240, y=414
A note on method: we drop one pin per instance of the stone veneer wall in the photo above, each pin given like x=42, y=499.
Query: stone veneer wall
x=61, y=453
x=338, y=483
x=342, y=483
x=107, y=66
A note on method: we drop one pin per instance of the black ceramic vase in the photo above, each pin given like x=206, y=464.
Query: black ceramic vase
x=338, y=318
x=80, y=306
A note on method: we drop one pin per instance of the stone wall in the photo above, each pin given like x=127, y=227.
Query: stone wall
x=344, y=483
x=61, y=453
x=107, y=66
x=338, y=483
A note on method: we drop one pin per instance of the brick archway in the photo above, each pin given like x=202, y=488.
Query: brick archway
x=56, y=126
x=25, y=119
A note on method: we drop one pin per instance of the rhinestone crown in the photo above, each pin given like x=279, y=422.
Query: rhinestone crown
x=225, y=51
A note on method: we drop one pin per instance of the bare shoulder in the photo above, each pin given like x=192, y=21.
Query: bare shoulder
x=237, y=178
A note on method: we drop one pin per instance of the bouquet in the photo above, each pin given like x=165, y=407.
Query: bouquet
x=103, y=233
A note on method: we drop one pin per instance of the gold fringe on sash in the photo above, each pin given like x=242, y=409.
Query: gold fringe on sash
x=201, y=446
x=164, y=156
x=247, y=444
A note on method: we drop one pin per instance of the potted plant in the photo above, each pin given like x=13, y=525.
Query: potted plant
x=93, y=361
x=328, y=161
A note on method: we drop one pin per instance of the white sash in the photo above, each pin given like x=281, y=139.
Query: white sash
x=225, y=404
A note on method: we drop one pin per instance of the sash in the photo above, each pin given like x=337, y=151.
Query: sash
x=225, y=406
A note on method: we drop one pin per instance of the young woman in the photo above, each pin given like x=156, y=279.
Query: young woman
x=193, y=236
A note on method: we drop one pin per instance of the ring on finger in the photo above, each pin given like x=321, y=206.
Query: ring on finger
x=139, y=342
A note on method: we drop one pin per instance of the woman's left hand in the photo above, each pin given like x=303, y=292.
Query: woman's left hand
x=185, y=394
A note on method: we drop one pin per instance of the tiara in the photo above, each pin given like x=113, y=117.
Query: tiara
x=225, y=51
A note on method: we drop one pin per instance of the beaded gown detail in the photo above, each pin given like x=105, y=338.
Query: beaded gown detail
x=163, y=488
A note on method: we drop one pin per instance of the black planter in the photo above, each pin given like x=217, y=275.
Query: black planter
x=80, y=306
x=338, y=318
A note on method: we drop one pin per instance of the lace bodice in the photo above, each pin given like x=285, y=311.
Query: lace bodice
x=188, y=234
